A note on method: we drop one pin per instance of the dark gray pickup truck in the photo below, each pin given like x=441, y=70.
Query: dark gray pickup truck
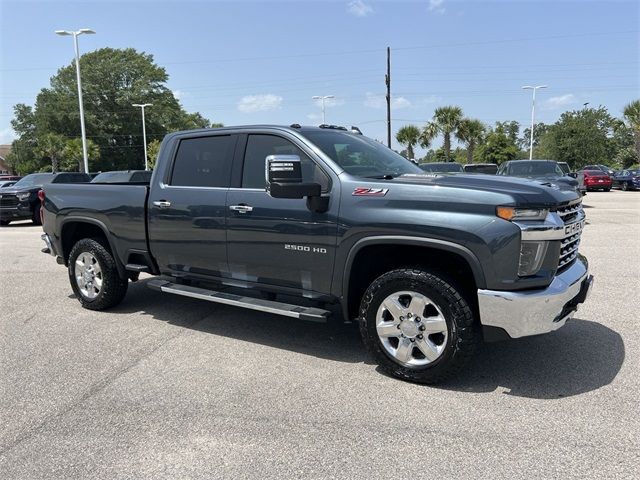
x=429, y=265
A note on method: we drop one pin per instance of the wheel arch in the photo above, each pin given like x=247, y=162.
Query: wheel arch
x=73, y=229
x=357, y=275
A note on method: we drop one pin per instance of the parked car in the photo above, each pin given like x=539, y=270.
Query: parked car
x=596, y=179
x=626, y=180
x=543, y=170
x=423, y=262
x=21, y=202
x=7, y=183
x=486, y=168
x=123, y=176
x=441, y=167
x=603, y=168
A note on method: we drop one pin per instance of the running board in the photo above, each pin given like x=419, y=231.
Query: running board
x=288, y=310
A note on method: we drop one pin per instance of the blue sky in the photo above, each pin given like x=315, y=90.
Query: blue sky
x=261, y=62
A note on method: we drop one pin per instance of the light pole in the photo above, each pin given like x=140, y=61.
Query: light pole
x=144, y=132
x=322, y=98
x=75, y=44
x=533, y=114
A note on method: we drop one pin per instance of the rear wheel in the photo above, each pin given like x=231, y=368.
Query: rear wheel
x=94, y=276
x=417, y=325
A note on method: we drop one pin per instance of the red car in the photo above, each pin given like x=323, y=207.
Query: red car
x=597, y=180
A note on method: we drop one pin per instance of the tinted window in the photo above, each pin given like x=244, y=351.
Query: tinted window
x=203, y=162
x=71, y=178
x=141, y=177
x=524, y=169
x=261, y=146
x=111, y=177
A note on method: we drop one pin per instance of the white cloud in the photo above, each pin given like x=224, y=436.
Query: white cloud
x=259, y=103
x=179, y=94
x=359, y=8
x=379, y=102
x=7, y=135
x=560, y=102
x=436, y=6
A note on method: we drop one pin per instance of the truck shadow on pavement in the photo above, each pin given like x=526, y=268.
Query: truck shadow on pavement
x=580, y=357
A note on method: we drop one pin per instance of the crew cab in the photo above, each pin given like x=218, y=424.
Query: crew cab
x=428, y=264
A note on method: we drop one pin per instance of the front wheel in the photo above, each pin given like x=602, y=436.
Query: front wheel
x=94, y=276
x=417, y=325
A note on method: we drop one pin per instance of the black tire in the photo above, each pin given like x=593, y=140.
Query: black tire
x=4, y=223
x=607, y=189
x=36, y=215
x=625, y=186
x=463, y=333
x=113, y=288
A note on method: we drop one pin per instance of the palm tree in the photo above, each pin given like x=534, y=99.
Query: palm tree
x=409, y=136
x=446, y=121
x=51, y=146
x=73, y=158
x=632, y=115
x=470, y=132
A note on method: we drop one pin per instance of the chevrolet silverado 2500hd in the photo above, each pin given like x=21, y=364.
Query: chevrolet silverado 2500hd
x=428, y=264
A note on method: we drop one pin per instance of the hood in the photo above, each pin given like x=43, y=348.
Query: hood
x=13, y=191
x=525, y=191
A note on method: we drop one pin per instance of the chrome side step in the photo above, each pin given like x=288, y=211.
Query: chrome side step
x=288, y=310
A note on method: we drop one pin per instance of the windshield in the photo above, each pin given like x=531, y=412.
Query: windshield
x=442, y=167
x=564, y=167
x=360, y=156
x=533, y=169
x=34, y=180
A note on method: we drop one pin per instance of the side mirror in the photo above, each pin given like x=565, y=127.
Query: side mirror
x=573, y=174
x=284, y=178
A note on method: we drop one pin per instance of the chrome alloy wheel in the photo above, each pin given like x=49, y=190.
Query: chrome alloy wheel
x=411, y=328
x=88, y=275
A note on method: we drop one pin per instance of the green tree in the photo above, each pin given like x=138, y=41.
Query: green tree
x=51, y=146
x=152, y=153
x=632, y=116
x=409, y=136
x=446, y=121
x=499, y=146
x=471, y=133
x=112, y=79
x=72, y=157
x=582, y=137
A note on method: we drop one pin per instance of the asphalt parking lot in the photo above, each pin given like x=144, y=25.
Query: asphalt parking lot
x=168, y=387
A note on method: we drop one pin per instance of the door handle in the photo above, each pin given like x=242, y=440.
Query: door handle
x=162, y=203
x=241, y=208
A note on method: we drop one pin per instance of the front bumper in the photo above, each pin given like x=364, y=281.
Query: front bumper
x=532, y=312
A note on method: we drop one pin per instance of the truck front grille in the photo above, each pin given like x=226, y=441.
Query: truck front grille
x=569, y=244
x=9, y=201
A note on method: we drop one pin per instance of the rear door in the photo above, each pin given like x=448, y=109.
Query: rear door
x=280, y=241
x=187, y=208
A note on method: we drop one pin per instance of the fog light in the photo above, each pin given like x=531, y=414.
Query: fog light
x=531, y=257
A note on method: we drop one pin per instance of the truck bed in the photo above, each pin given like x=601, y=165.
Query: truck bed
x=120, y=209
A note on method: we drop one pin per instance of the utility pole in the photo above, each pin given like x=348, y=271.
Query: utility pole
x=533, y=113
x=387, y=81
x=144, y=131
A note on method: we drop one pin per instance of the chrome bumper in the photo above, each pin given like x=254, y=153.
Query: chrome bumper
x=533, y=312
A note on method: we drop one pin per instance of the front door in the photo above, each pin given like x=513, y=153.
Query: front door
x=280, y=241
x=187, y=211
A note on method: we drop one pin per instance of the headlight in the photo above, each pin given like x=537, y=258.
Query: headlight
x=515, y=213
x=23, y=196
x=531, y=257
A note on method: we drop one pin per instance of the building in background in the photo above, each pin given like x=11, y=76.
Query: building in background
x=4, y=151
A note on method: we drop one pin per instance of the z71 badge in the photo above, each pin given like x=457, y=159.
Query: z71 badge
x=369, y=192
